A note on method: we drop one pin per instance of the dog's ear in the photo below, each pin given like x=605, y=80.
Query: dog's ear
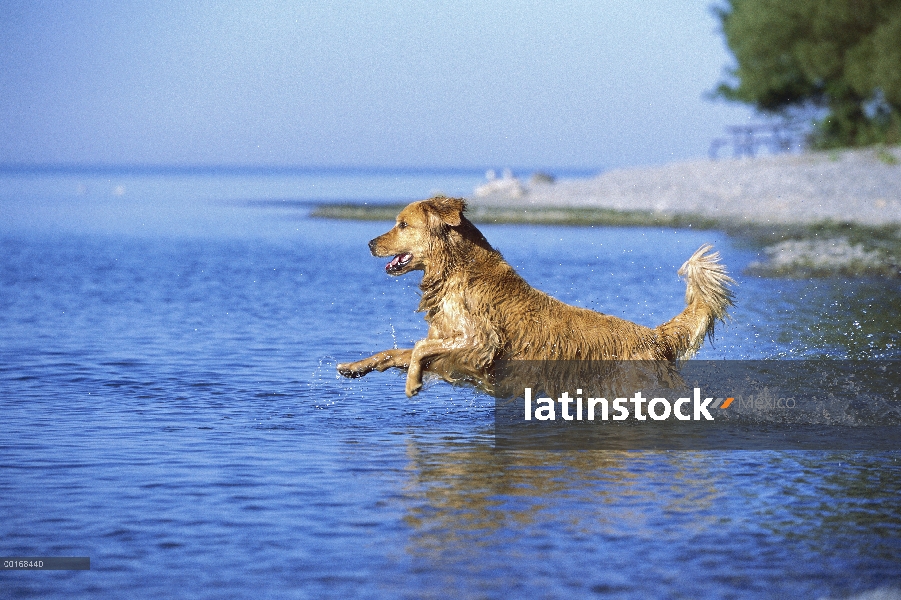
x=448, y=210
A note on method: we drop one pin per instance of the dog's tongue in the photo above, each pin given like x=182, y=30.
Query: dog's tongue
x=397, y=261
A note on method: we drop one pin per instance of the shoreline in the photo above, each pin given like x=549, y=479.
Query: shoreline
x=531, y=215
x=814, y=214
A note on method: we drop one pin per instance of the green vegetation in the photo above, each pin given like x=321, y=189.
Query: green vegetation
x=824, y=249
x=837, y=58
x=531, y=215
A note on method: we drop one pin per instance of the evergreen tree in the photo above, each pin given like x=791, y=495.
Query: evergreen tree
x=841, y=57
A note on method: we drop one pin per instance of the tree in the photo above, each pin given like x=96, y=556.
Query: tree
x=841, y=58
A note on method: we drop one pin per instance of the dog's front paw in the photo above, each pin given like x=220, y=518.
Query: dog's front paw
x=413, y=388
x=352, y=370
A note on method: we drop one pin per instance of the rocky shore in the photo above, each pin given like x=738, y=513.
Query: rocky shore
x=859, y=186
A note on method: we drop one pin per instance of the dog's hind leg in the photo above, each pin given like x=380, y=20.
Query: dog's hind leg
x=399, y=358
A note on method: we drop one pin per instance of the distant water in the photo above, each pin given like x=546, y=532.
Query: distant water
x=170, y=408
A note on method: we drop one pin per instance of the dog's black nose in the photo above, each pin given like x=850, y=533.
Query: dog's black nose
x=372, y=247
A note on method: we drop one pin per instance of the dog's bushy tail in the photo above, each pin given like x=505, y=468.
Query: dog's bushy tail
x=707, y=296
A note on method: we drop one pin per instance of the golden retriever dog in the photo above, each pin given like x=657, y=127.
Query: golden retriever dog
x=481, y=311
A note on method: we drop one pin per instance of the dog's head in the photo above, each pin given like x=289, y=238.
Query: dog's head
x=420, y=229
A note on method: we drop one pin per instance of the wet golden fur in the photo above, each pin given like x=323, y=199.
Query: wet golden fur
x=480, y=310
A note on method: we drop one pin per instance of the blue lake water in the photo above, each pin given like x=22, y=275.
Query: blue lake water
x=170, y=408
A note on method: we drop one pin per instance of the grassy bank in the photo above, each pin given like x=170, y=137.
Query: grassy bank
x=821, y=249
x=529, y=216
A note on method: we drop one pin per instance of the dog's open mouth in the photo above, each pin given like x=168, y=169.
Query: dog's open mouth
x=398, y=262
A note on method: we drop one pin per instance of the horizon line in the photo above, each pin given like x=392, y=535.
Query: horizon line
x=250, y=169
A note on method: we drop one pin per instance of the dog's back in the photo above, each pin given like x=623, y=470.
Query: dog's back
x=528, y=324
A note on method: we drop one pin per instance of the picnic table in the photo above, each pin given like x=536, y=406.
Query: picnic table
x=747, y=139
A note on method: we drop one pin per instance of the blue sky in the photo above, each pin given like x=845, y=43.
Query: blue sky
x=571, y=83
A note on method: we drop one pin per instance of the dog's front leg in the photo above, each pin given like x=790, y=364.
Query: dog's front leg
x=423, y=352
x=399, y=358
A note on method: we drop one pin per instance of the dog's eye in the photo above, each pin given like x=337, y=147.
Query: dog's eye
x=402, y=225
